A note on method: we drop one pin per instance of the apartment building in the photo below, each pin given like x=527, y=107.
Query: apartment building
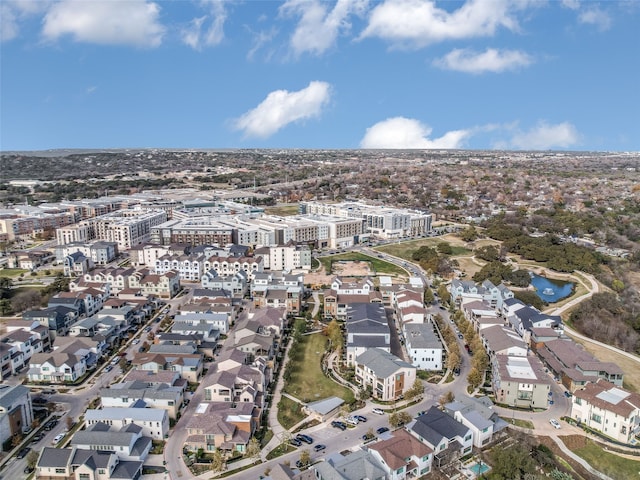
x=520, y=381
x=388, y=376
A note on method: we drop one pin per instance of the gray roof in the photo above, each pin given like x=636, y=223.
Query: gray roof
x=9, y=394
x=100, y=437
x=115, y=413
x=383, y=364
x=54, y=457
x=127, y=470
x=435, y=425
x=421, y=335
x=326, y=405
x=355, y=466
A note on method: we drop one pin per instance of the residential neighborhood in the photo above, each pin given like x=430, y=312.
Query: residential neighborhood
x=198, y=337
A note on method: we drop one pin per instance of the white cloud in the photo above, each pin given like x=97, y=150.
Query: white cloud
x=594, y=16
x=91, y=89
x=491, y=60
x=401, y=133
x=282, y=107
x=545, y=136
x=571, y=4
x=419, y=23
x=105, y=22
x=195, y=37
x=319, y=28
x=13, y=11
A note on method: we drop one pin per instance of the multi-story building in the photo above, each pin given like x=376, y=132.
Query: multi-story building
x=99, y=252
x=26, y=222
x=388, y=376
x=278, y=290
x=203, y=230
x=154, y=422
x=609, y=409
x=286, y=257
x=402, y=456
x=366, y=327
x=423, y=346
x=79, y=464
x=520, y=381
x=16, y=412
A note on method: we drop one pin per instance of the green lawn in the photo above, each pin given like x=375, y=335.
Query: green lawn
x=307, y=382
x=377, y=265
x=616, y=467
x=406, y=249
x=12, y=272
x=289, y=412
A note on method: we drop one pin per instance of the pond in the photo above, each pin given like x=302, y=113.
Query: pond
x=551, y=290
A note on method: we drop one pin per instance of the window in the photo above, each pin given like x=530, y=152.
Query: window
x=596, y=418
x=61, y=470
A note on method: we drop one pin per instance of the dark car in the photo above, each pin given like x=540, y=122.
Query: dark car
x=50, y=424
x=360, y=418
x=340, y=425
x=300, y=464
x=381, y=430
x=37, y=438
x=368, y=436
x=319, y=447
x=304, y=438
x=295, y=442
x=28, y=469
x=23, y=452
x=40, y=400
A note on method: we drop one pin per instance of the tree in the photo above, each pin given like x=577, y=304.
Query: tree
x=217, y=461
x=469, y=234
x=397, y=419
x=444, y=294
x=428, y=296
x=416, y=390
x=5, y=286
x=305, y=456
x=253, y=448
x=512, y=462
x=32, y=459
x=334, y=332
x=5, y=306
x=446, y=398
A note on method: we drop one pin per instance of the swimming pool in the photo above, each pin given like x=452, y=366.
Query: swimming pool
x=479, y=468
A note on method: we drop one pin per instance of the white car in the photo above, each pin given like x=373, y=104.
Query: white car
x=379, y=411
x=555, y=423
x=352, y=421
x=57, y=438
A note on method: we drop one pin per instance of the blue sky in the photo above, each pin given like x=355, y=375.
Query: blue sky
x=316, y=74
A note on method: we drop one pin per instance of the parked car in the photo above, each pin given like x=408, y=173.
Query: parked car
x=352, y=421
x=304, y=438
x=295, y=442
x=319, y=447
x=567, y=394
x=379, y=411
x=340, y=425
x=381, y=430
x=360, y=418
x=555, y=423
x=23, y=452
x=28, y=469
x=136, y=341
x=300, y=464
x=368, y=436
x=108, y=368
x=57, y=438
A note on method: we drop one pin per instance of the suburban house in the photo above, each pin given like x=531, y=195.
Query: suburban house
x=344, y=293
x=402, y=456
x=609, y=409
x=356, y=465
x=154, y=422
x=79, y=464
x=520, y=381
x=366, y=327
x=423, y=346
x=448, y=438
x=237, y=283
x=161, y=396
x=478, y=415
x=126, y=442
x=575, y=367
x=222, y=425
x=57, y=367
x=57, y=319
x=501, y=340
x=463, y=290
x=278, y=290
x=388, y=376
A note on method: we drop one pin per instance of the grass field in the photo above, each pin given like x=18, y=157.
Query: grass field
x=375, y=264
x=12, y=272
x=308, y=383
x=289, y=412
x=616, y=467
x=282, y=210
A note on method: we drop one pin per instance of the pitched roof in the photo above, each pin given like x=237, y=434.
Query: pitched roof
x=383, y=364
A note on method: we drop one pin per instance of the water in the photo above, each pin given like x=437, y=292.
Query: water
x=560, y=288
x=479, y=468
